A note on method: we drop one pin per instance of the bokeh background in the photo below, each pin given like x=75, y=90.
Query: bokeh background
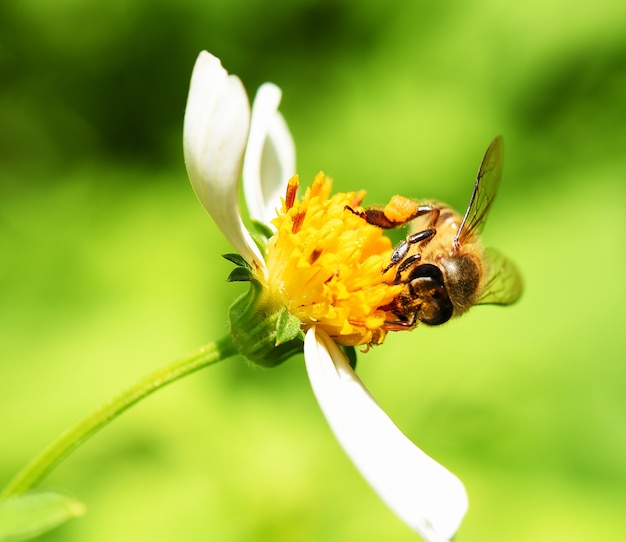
x=109, y=267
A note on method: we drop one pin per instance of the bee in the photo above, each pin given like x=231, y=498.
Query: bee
x=442, y=263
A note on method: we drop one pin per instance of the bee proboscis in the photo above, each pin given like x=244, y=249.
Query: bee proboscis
x=442, y=263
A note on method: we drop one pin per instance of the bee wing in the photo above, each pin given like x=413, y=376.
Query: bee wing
x=485, y=189
x=504, y=282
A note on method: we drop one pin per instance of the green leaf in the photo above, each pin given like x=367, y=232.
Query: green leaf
x=33, y=513
x=287, y=327
x=241, y=274
x=237, y=259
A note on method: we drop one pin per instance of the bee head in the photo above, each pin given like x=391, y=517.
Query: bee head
x=433, y=306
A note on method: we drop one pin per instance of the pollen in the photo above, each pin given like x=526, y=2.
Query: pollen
x=400, y=208
x=324, y=263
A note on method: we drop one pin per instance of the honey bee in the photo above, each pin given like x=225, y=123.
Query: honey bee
x=442, y=263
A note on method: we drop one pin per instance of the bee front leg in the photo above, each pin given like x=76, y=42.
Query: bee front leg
x=408, y=262
x=401, y=325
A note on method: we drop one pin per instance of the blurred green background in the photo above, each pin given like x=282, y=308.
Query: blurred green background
x=110, y=267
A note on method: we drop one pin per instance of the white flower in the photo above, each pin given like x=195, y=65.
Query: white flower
x=223, y=140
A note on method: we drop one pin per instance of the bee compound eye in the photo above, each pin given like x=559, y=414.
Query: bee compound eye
x=434, y=307
x=427, y=271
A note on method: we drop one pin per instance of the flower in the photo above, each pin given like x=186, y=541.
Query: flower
x=324, y=265
x=320, y=270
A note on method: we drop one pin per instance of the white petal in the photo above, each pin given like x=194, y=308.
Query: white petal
x=270, y=159
x=217, y=119
x=428, y=497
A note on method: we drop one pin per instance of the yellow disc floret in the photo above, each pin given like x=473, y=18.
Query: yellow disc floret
x=324, y=264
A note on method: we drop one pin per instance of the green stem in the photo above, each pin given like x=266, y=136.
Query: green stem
x=68, y=441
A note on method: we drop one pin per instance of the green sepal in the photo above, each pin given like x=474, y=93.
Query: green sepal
x=262, y=229
x=260, y=242
x=260, y=233
x=241, y=274
x=265, y=333
x=237, y=259
x=287, y=327
x=350, y=353
x=33, y=513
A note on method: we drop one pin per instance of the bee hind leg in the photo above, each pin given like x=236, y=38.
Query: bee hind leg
x=375, y=217
x=396, y=213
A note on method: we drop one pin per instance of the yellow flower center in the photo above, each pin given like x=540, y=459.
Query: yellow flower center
x=325, y=264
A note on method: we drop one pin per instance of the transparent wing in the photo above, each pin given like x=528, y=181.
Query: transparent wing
x=485, y=189
x=504, y=282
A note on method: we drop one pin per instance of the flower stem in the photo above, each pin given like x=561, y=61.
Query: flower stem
x=68, y=441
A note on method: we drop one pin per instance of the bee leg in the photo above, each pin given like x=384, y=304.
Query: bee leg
x=375, y=217
x=381, y=218
x=401, y=325
x=405, y=265
x=403, y=247
x=398, y=254
x=420, y=236
x=431, y=228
